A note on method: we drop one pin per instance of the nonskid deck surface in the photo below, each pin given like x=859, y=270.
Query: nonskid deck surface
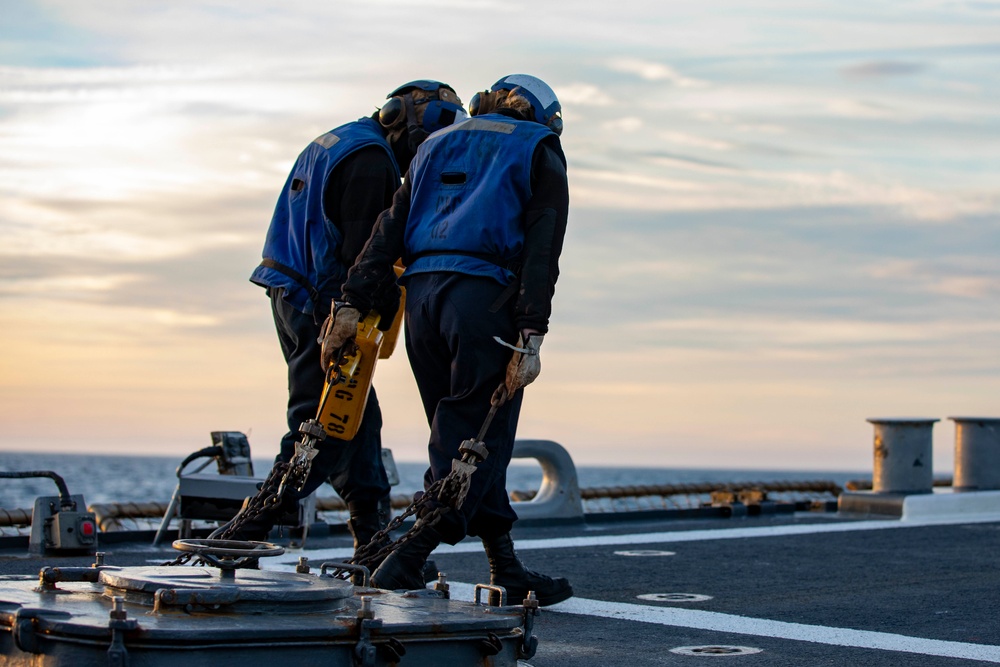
x=793, y=590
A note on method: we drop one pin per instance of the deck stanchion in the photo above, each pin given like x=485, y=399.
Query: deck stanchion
x=903, y=455
x=977, y=453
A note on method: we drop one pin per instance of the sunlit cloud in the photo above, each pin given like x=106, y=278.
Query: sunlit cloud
x=768, y=207
x=640, y=179
x=771, y=332
x=583, y=94
x=654, y=71
x=692, y=164
x=861, y=109
x=696, y=141
x=964, y=278
x=789, y=189
x=627, y=124
x=75, y=285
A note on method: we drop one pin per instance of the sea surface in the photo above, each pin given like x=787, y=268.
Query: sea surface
x=102, y=479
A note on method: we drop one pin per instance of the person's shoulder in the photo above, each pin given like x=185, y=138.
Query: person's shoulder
x=549, y=153
x=368, y=161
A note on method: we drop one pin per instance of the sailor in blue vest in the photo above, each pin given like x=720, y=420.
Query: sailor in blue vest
x=324, y=215
x=479, y=222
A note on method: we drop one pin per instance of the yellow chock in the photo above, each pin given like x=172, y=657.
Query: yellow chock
x=346, y=393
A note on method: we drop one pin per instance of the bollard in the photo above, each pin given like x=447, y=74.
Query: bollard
x=977, y=453
x=559, y=495
x=903, y=461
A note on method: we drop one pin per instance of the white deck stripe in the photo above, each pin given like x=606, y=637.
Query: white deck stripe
x=717, y=622
x=471, y=546
x=743, y=625
x=757, y=627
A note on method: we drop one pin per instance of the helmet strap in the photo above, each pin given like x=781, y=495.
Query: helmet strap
x=416, y=134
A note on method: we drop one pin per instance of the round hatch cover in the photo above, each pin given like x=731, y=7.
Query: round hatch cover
x=179, y=585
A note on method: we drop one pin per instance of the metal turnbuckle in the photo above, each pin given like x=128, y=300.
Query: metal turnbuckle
x=305, y=451
x=450, y=491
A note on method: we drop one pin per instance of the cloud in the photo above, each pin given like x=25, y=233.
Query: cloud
x=879, y=69
x=627, y=124
x=696, y=141
x=770, y=244
x=583, y=94
x=852, y=108
x=691, y=163
x=654, y=71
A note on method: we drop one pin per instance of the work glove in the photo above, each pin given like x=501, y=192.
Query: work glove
x=524, y=367
x=340, y=326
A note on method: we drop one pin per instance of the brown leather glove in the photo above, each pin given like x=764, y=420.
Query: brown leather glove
x=524, y=367
x=340, y=326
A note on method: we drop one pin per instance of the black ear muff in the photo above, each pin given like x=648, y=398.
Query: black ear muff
x=479, y=103
x=390, y=112
x=474, y=104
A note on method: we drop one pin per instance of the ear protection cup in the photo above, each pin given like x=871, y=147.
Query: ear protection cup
x=475, y=104
x=390, y=112
x=484, y=102
x=438, y=110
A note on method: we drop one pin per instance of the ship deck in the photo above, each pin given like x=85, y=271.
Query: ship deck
x=793, y=589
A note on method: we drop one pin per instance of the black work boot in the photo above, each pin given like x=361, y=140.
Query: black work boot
x=508, y=571
x=363, y=526
x=404, y=567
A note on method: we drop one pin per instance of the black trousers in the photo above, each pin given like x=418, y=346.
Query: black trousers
x=458, y=366
x=354, y=468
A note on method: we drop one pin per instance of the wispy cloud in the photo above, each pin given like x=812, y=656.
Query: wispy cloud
x=583, y=94
x=654, y=71
x=766, y=207
x=696, y=141
x=883, y=69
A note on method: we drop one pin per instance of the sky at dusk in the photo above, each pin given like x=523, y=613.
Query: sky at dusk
x=784, y=216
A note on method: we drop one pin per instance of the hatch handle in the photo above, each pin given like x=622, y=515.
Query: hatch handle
x=365, y=573
x=496, y=593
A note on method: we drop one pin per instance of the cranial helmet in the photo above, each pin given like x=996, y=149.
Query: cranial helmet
x=421, y=107
x=545, y=107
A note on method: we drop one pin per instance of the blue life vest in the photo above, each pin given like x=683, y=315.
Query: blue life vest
x=300, y=250
x=471, y=183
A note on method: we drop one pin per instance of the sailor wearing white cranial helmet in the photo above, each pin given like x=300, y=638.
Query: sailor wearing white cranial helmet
x=480, y=221
x=524, y=93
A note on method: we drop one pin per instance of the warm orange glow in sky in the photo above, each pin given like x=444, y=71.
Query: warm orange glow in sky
x=784, y=220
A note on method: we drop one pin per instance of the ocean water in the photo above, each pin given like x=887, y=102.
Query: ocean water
x=103, y=479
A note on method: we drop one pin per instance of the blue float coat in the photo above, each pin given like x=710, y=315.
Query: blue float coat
x=301, y=237
x=471, y=183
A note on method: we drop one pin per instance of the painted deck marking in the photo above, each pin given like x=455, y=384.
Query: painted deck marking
x=758, y=627
x=474, y=546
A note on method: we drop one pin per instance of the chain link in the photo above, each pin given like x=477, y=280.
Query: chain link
x=380, y=546
x=268, y=497
x=448, y=492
